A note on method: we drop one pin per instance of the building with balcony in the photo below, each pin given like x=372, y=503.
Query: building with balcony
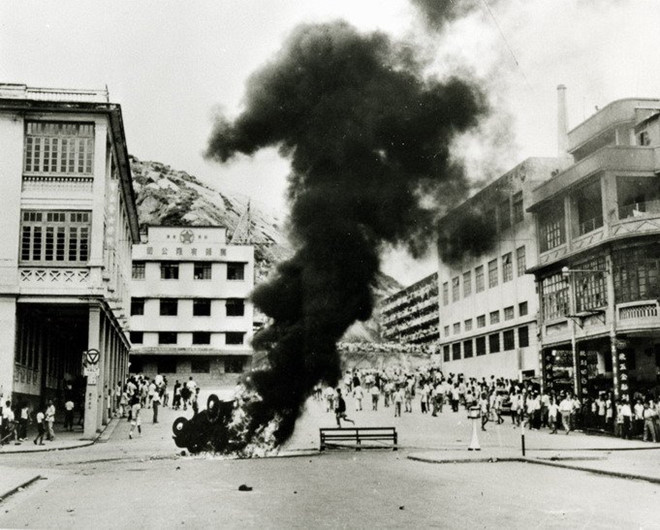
x=410, y=316
x=598, y=264
x=488, y=302
x=190, y=312
x=70, y=220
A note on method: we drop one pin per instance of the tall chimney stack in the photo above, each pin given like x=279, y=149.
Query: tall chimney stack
x=562, y=122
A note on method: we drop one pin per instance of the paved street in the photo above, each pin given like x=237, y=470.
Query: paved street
x=144, y=483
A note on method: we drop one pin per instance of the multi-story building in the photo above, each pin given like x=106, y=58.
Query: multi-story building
x=190, y=312
x=411, y=315
x=69, y=220
x=488, y=302
x=598, y=265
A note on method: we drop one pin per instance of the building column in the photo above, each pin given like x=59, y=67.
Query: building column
x=8, y=345
x=92, y=392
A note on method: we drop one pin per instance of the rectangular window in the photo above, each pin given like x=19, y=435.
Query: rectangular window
x=445, y=293
x=636, y=274
x=479, y=278
x=494, y=317
x=445, y=353
x=467, y=284
x=552, y=231
x=508, y=313
x=456, y=351
x=169, y=271
x=554, y=296
x=167, y=337
x=590, y=288
x=234, y=366
x=166, y=365
x=457, y=328
x=455, y=289
x=522, y=309
x=137, y=337
x=202, y=308
x=200, y=366
x=468, y=324
x=521, y=261
x=169, y=307
x=481, y=345
x=201, y=337
x=492, y=273
x=509, y=340
x=467, y=349
x=137, y=306
x=55, y=237
x=518, y=210
x=494, y=342
x=446, y=331
x=481, y=321
x=138, y=271
x=507, y=268
x=202, y=271
x=61, y=148
x=504, y=211
x=235, y=271
x=523, y=337
x=235, y=307
x=234, y=337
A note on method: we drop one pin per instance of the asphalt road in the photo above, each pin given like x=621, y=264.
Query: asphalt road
x=143, y=483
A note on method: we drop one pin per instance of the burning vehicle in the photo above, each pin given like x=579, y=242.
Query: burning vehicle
x=206, y=431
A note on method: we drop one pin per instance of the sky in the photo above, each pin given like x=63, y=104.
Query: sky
x=172, y=65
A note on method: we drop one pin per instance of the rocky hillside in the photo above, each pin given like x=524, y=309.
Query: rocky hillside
x=166, y=196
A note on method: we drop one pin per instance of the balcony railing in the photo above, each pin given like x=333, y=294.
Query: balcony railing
x=640, y=310
x=640, y=209
x=591, y=224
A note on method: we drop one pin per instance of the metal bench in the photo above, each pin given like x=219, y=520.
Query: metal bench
x=358, y=435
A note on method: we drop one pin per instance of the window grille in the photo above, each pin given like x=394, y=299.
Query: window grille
x=63, y=148
x=55, y=237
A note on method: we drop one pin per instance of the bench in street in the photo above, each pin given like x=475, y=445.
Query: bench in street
x=329, y=436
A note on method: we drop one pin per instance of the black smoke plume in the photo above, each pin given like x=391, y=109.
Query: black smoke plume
x=472, y=234
x=368, y=137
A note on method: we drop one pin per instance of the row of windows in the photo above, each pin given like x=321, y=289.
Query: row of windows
x=198, y=337
x=59, y=148
x=479, y=279
x=493, y=343
x=166, y=364
x=201, y=271
x=494, y=316
x=55, y=237
x=234, y=307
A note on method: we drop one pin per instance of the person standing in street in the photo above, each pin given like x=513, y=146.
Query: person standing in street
x=565, y=409
x=155, y=404
x=41, y=428
x=68, y=415
x=50, y=420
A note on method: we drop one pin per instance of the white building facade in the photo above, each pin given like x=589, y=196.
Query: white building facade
x=190, y=308
x=488, y=302
x=69, y=221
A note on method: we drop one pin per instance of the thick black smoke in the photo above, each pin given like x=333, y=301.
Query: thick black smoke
x=368, y=138
x=473, y=234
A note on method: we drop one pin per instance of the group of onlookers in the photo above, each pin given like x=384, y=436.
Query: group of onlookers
x=14, y=422
x=495, y=397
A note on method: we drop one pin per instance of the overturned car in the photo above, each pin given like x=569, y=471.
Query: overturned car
x=206, y=431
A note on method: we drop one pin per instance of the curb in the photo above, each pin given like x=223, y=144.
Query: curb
x=495, y=460
x=25, y=484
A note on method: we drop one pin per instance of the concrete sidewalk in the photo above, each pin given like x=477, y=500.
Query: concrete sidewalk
x=63, y=440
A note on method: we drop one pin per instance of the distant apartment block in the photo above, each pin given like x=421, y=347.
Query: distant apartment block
x=411, y=315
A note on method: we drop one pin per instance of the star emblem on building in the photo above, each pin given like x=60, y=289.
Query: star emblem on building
x=187, y=236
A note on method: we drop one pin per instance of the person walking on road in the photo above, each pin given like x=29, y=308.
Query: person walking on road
x=340, y=409
x=483, y=409
x=155, y=403
x=135, y=416
x=565, y=408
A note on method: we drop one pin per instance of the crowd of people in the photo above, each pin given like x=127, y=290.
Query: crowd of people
x=382, y=347
x=429, y=391
x=126, y=400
